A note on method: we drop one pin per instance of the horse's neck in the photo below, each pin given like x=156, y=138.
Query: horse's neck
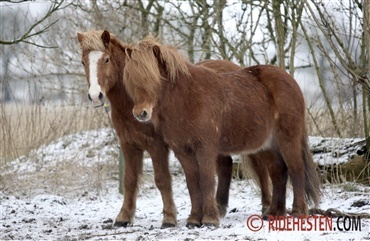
x=119, y=99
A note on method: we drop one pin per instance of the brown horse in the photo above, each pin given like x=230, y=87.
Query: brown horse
x=134, y=137
x=103, y=56
x=200, y=113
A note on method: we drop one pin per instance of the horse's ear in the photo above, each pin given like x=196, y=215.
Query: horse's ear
x=128, y=52
x=106, y=38
x=158, y=54
x=80, y=37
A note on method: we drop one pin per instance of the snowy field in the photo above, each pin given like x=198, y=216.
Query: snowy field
x=68, y=190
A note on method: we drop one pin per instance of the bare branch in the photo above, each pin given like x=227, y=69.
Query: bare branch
x=30, y=32
x=329, y=29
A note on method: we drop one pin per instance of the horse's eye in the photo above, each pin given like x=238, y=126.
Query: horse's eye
x=82, y=62
x=106, y=61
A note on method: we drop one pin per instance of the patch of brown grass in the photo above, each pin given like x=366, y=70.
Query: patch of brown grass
x=26, y=127
x=319, y=123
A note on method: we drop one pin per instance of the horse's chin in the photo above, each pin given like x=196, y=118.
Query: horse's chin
x=97, y=105
x=146, y=120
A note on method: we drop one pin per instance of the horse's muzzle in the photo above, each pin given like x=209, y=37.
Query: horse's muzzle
x=143, y=116
x=100, y=96
x=98, y=101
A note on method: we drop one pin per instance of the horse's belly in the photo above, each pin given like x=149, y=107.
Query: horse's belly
x=245, y=144
x=246, y=135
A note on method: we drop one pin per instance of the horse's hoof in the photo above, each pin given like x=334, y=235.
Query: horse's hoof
x=121, y=224
x=210, y=225
x=168, y=225
x=299, y=213
x=268, y=215
x=192, y=225
x=265, y=208
x=222, y=211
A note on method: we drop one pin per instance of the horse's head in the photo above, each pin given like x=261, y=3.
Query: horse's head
x=142, y=79
x=150, y=65
x=100, y=65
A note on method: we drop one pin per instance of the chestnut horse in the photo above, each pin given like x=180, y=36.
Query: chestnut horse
x=134, y=137
x=201, y=113
x=103, y=56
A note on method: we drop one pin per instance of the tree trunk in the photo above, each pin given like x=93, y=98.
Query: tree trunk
x=280, y=33
x=366, y=94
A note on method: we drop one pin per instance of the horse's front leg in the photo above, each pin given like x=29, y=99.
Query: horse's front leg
x=163, y=181
x=207, y=169
x=133, y=170
x=191, y=170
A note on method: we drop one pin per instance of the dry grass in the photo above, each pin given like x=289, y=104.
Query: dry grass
x=65, y=178
x=25, y=127
x=320, y=123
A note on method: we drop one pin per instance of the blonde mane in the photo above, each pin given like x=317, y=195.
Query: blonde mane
x=142, y=71
x=92, y=40
x=143, y=64
x=175, y=62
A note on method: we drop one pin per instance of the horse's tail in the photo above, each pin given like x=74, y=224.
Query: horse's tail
x=248, y=169
x=312, y=181
x=254, y=166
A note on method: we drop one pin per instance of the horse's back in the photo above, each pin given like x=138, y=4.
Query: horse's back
x=276, y=80
x=219, y=66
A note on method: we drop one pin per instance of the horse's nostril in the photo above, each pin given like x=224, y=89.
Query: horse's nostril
x=144, y=114
x=101, y=96
x=89, y=97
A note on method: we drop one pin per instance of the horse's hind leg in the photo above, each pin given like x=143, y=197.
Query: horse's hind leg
x=279, y=177
x=133, y=171
x=259, y=162
x=163, y=181
x=224, y=174
x=292, y=154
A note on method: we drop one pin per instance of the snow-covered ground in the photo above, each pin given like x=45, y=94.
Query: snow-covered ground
x=68, y=190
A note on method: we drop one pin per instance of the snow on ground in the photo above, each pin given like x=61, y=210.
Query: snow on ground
x=334, y=150
x=68, y=190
